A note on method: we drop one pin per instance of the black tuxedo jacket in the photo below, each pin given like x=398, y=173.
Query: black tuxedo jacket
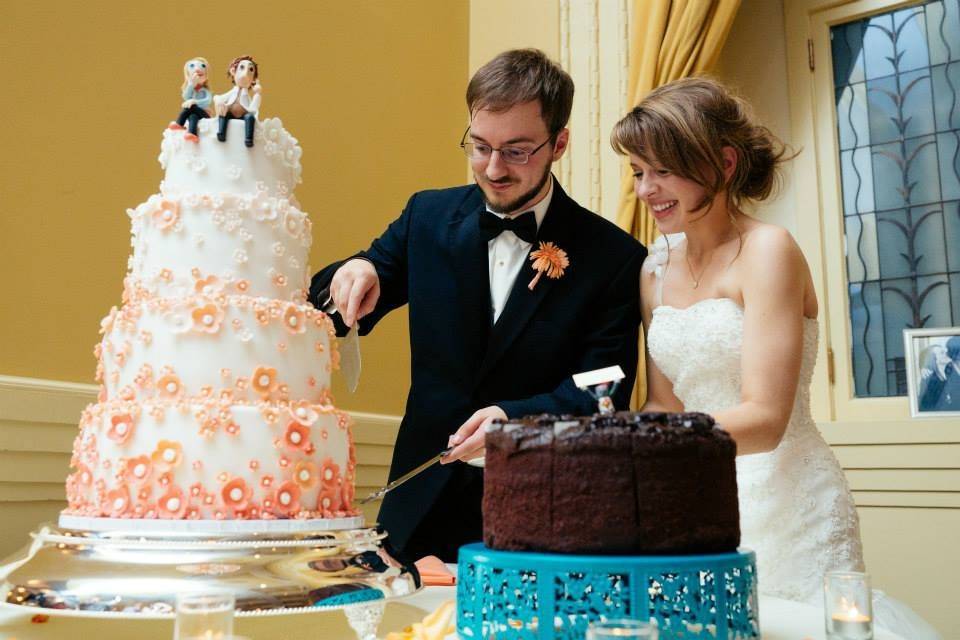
x=434, y=259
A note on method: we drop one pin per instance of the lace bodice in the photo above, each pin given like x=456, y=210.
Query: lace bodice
x=706, y=377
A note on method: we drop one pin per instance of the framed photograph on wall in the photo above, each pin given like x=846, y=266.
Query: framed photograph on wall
x=933, y=371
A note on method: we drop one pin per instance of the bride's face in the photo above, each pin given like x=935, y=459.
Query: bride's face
x=671, y=199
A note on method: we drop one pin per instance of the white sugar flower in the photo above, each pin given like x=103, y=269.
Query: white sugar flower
x=233, y=221
x=272, y=131
x=178, y=321
x=278, y=249
x=293, y=222
x=234, y=172
x=240, y=256
x=264, y=208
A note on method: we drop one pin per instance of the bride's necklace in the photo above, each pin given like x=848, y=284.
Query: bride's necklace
x=696, y=278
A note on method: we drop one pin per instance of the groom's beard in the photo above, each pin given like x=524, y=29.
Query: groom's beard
x=510, y=206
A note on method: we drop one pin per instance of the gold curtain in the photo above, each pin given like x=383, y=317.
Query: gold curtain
x=670, y=39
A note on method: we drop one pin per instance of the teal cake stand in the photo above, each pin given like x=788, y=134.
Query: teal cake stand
x=546, y=596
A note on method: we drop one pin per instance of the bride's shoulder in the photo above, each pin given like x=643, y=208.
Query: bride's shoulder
x=766, y=243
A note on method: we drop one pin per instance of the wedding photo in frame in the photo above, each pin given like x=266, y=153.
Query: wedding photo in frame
x=933, y=371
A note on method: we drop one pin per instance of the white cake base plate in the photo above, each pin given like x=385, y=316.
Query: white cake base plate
x=209, y=527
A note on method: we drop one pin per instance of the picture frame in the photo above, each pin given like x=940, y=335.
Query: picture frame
x=932, y=359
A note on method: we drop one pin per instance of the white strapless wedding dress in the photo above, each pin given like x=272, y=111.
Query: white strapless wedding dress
x=796, y=510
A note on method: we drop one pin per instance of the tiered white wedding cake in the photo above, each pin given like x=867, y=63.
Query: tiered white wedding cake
x=214, y=401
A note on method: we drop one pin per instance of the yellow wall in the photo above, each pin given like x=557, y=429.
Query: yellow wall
x=498, y=25
x=372, y=90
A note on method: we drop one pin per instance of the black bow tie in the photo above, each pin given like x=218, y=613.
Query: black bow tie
x=524, y=225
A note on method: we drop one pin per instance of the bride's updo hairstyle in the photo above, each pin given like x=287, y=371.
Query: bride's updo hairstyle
x=683, y=126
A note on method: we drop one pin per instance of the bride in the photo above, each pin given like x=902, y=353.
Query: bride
x=730, y=316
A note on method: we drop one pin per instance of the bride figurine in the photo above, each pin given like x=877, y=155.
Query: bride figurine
x=730, y=315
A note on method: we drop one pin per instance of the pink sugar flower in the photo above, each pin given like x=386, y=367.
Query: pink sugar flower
x=328, y=499
x=138, y=469
x=305, y=474
x=236, y=494
x=207, y=318
x=172, y=504
x=329, y=473
x=264, y=381
x=294, y=320
x=118, y=502
x=287, y=498
x=167, y=455
x=167, y=214
x=121, y=427
x=169, y=386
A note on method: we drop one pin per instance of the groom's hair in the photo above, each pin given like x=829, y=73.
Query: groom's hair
x=519, y=76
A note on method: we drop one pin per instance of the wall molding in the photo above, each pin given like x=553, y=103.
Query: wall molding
x=594, y=50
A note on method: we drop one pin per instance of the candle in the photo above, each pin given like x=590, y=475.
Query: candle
x=847, y=606
x=851, y=625
x=206, y=616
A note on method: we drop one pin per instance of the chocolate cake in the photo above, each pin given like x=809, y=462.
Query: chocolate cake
x=629, y=483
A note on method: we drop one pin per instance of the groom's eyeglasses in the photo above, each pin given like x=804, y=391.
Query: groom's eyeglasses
x=510, y=155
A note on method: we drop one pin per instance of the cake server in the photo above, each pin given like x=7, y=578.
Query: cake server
x=349, y=346
x=382, y=491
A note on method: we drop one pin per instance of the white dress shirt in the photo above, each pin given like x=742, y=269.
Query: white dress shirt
x=247, y=99
x=507, y=253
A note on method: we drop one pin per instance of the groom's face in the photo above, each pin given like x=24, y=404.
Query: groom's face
x=513, y=187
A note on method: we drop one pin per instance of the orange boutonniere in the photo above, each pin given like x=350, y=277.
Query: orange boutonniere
x=548, y=259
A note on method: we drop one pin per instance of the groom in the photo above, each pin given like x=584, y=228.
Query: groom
x=486, y=341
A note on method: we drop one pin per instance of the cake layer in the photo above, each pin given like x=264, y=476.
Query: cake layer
x=253, y=349
x=630, y=483
x=254, y=244
x=211, y=166
x=211, y=461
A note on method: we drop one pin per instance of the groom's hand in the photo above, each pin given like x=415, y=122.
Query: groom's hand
x=355, y=289
x=469, y=438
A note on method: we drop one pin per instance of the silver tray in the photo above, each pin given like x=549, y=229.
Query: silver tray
x=124, y=574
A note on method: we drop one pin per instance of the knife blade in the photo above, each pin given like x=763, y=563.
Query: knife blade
x=382, y=491
x=349, y=346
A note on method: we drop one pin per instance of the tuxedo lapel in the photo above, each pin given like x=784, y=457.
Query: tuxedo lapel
x=523, y=302
x=469, y=260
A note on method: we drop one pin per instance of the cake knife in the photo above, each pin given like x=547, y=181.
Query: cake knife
x=382, y=491
x=349, y=346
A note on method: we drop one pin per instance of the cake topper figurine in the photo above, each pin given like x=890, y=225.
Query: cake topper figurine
x=601, y=384
x=196, y=97
x=243, y=101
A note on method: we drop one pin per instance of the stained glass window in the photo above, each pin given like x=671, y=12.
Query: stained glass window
x=897, y=82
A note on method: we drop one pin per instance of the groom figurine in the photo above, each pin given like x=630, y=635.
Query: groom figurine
x=512, y=288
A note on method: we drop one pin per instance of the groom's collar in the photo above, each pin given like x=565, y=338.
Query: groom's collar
x=539, y=209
